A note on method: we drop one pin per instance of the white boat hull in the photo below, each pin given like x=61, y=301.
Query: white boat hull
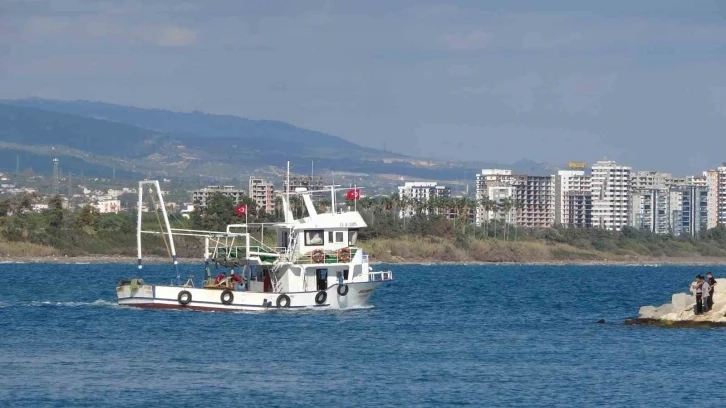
x=169, y=297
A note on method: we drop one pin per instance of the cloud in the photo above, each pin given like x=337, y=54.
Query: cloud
x=164, y=36
x=103, y=29
x=471, y=41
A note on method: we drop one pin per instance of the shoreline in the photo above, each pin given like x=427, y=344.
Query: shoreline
x=123, y=259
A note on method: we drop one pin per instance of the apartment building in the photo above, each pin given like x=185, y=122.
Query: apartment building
x=611, y=192
x=721, y=195
x=200, y=196
x=263, y=193
x=573, y=199
x=711, y=180
x=650, y=201
x=495, y=185
x=534, y=201
x=418, y=194
x=498, y=194
x=692, y=217
x=650, y=180
x=651, y=210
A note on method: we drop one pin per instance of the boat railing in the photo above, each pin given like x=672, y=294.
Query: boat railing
x=380, y=276
x=330, y=257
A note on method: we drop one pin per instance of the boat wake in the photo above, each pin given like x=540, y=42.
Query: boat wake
x=96, y=303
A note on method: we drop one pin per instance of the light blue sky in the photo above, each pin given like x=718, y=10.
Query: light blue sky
x=641, y=82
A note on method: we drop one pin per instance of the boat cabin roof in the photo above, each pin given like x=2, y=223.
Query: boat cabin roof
x=351, y=219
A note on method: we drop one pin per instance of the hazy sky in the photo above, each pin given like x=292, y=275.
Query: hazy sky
x=642, y=82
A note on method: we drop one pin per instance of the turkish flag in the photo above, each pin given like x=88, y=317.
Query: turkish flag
x=241, y=209
x=353, y=194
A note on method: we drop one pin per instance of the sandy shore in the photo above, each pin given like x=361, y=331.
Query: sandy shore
x=399, y=261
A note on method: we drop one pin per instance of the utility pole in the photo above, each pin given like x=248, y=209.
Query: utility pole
x=17, y=164
x=70, y=185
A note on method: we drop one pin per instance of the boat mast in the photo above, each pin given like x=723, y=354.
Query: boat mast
x=138, y=223
x=168, y=229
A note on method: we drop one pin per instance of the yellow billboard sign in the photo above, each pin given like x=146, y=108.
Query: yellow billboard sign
x=577, y=165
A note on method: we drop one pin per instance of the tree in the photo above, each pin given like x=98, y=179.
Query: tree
x=87, y=217
x=55, y=212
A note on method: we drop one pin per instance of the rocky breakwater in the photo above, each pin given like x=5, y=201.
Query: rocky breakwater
x=680, y=312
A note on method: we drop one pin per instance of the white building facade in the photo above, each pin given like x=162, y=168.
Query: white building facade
x=650, y=201
x=417, y=195
x=263, y=193
x=721, y=195
x=496, y=186
x=611, y=195
x=711, y=177
x=573, y=199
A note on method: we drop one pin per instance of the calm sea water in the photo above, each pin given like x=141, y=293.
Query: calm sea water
x=437, y=336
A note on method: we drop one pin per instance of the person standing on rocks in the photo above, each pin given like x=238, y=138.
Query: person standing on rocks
x=711, y=283
x=705, y=292
x=696, y=290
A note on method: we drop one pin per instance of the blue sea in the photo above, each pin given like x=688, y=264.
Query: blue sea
x=437, y=336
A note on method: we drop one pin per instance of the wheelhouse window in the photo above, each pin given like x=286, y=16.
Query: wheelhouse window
x=314, y=237
x=352, y=236
x=335, y=237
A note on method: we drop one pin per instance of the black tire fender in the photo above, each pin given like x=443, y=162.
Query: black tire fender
x=321, y=297
x=227, y=297
x=343, y=290
x=184, y=297
x=283, y=301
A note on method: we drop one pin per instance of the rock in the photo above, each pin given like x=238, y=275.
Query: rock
x=646, y=312
x=680, y=312
x=677, y=323
x=682, y=301
x=662, y=310
x=601, y=321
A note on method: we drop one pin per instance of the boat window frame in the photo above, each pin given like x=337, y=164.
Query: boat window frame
x=309, y=233
x=353, y=236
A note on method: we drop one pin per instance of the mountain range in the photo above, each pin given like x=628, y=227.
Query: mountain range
x=99, y=139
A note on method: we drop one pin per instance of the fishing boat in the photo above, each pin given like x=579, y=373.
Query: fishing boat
x=315, y=263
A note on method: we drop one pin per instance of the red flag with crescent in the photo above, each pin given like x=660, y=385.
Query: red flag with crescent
x=353, y=194
x=241, y=209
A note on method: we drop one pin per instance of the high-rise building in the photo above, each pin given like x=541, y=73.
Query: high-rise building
x=611, y=192
x=711, y=177
x=721, y=194
x=573, y=199
x=418, y=195
x=651, y=210
x=496, y=186
x=200, y=196
x=263, y=193
x=650, y=201
x=534, y=201
x=691, y=215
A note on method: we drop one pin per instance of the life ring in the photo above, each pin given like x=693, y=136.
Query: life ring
x=344, y=254
x=283, y=301
x=184, y=297
x=343, y=290
x=321, y=297
x=318, y=256
x=227, y=297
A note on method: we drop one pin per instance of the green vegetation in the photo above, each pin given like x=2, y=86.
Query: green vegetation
x=388, y=238
x=450, y=235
